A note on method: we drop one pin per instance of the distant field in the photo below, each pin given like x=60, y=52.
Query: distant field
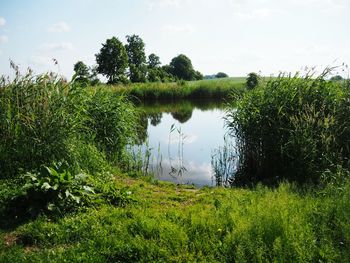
x=212, y=88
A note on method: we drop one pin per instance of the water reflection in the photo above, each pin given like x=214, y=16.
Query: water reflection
x=181, y=138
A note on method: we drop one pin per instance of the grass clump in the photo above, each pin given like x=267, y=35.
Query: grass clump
x=291, y=127
x=38, y=117
x=45, y=120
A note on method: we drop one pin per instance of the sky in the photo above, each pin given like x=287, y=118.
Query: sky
x=232, y=36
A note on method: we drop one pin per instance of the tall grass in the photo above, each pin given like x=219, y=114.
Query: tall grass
x=44, y=120
x=291, y=127
x=38, y=117
x=214, y=89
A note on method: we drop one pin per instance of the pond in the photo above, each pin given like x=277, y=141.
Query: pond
x=185, y=142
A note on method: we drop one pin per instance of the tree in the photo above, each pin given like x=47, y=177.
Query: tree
x=153, y=61
x=221, y=75
x=336, y=78
x=154, y=71
x=198, y=75
x=252, y=80
x=81, y=74
x=112, y=61
x=181, y=68
x=137, y=58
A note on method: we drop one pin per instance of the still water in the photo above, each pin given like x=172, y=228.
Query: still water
x=182, y=139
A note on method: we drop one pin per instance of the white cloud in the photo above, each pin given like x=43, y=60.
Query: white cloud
x=2, y=21
x=62, y=46
x=0, y=52
x=186, y=139
x=182, y=29
x=59, y=28
x=260, y=13
x=167, y=3
x=4, y=39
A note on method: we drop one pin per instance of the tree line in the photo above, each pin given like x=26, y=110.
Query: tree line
x=121, y=63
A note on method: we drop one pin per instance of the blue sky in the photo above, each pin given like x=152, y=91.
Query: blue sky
x=234, y=36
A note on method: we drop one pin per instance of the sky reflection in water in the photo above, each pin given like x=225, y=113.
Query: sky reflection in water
x=189, y=145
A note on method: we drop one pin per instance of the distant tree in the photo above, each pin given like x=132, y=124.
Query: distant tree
x=137, y=58
x=112, y=61
x=181, y=67
x=221, y=75
x=336, y=78
x=81, y=74
x=153, y=61
x=252, y=80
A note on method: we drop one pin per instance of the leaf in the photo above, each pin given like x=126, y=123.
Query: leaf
x=51, y=207
x=172, y=127
x=88, y=189
x=46, y=186
x=67, y=193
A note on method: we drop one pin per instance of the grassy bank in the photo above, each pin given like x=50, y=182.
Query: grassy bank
x=162, y=222
x=67, y=195
x=214, y=89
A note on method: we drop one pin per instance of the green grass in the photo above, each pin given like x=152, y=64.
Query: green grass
x=215, y=88
x=124, y=219
x=170, y=223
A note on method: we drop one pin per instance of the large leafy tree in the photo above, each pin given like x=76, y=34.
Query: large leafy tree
x=181, y=67
x=137, y=58
x=112, y=61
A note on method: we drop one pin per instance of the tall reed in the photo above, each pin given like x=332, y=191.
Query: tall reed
x=291, y=127
x=44, y=119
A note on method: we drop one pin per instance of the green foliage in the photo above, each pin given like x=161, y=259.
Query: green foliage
x=181, y=67
x=112, y=122
x=252, y=80
x=38, y=117
x=55, y=188
x=204, y=89
x=137, y=58
x=84, y=75
x=170, y=223
x=153, y=61
x=81, y=74
x=45, y=120
x=112, y=61
x=291, y=128
x=221, y=75
x=336, y=78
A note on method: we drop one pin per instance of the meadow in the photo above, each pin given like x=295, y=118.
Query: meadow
x=68, y=192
